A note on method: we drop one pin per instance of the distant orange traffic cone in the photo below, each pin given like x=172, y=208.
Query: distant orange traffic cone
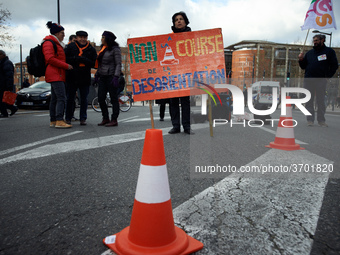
x=284, y=139
x=152, y=229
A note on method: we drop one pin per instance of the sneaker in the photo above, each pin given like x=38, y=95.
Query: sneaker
x=310, y=123
x=323, y=124
x=62, y=124
x=83, y=123
x=52, y=123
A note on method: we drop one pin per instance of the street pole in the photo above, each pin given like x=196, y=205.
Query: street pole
x=21, y=76
x=252, y=77
x=323, y=33
x=58, y=11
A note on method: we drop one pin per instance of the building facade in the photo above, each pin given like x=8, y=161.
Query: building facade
x=254, y=61
x=246, y=62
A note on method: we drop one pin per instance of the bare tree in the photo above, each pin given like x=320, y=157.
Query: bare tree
x=5, y=38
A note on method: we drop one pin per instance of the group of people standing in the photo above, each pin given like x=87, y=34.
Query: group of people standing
x=69, y=70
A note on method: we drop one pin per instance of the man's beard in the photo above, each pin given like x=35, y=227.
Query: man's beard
x=317, y=46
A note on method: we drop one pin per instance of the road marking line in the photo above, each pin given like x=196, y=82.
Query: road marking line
x=41, y=115
x=264, y=214
x=126, y=119
x=37, y=143
x=74, y=146
x=140, y=119
x=261, y=213
x=26, y=112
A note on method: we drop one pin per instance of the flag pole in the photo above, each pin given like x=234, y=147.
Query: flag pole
x=303, y=48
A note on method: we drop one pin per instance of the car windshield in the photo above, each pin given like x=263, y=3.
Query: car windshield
x=267, y=89
x=41, y=85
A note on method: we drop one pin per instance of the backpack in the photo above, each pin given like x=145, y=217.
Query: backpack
x=121, y=82
x=36, y=60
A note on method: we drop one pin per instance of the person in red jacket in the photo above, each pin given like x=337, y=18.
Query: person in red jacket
x=55, y=74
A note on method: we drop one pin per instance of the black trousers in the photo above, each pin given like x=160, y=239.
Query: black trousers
x=317, y=88
x=4, y=106
x=105, y=85
x=70, y=104
x=175, y=112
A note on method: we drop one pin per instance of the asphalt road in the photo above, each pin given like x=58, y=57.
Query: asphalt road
x=63, y=191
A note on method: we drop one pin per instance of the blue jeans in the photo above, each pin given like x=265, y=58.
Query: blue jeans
x=316, y=87
x=58, y=100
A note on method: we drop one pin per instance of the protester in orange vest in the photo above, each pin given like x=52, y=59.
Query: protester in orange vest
x=82, y=56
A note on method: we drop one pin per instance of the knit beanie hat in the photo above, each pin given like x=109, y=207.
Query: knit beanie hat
x=109, y=34
x=54, y=27
x=183, y=15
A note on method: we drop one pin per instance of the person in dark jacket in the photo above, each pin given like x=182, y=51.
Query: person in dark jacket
x=25, y=84
x=82, y=56
x=109, y=62
x=72, y=38
x=180, y=24
x=55, y=74
x=121, y=82
x=320, y=64
x=162, y=104
x=6, y=83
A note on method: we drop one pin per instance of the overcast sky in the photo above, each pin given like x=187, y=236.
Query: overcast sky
x=277, y=21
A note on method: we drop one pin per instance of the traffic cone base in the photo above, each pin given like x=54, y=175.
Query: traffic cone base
x=284, y=147
x=284, y=138
x=183, y=244
x=152, y=229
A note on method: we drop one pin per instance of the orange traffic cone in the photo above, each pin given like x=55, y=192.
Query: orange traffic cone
x=284, y=139
x=169, y=58
x=152, y=229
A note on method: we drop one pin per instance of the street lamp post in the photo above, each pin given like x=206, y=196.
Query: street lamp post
x=330, y=36
x=58, y=12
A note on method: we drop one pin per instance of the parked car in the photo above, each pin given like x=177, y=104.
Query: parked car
x=36, y=95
